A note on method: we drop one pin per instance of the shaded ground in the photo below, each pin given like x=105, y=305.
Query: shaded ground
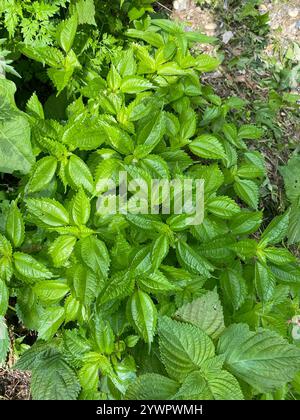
x=14, y=385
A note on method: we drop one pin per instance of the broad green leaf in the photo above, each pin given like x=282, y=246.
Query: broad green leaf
x=208, y=147
x=251, y=132
x=247, y=191
x=66, y=32
x=53, y=379
x=152, y=386
x=215, y=384
x=95, y=255
x=135, y=84
x=159, y=251
x=15, y=147
x=29, y=269
x=234, y=287
x=34, y=107
x=42, y=174
x=50, y=321
x=51, y=291
x=155, y=283
x=205, y=312
x=61, y=249
x=223, y=206
x=85, y=283
x=143, y=315
x=80, y=208
x=262, y=359
x=4, y=296
x=291, y=178
x=118, y=286
x=4, y=341
x=183, y=347
x=150, y=135
x=191, y=260
x=275, y=231
x=47, y=212
x=5, y=247
x=264, y=282
x=206, y=63
x=79, y=174
x=15, y=229
x=245, y=222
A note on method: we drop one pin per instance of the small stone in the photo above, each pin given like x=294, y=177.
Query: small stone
x=227, y=36
x=180, y=4
x=293, y=13
x=211, y=26
x=263, y=9
x=298, y=24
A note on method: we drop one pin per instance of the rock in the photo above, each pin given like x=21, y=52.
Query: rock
x=211, y=26
x=298, y=24
x=293, y=13
x=263, y=9
x=227, y=36
x=180, y=4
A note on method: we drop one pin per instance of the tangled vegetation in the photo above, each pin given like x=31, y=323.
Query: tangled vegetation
x=136, y=306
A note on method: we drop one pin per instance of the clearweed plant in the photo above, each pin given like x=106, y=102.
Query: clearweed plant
x=133, y=305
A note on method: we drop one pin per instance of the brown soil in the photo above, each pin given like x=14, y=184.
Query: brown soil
x=14, y=385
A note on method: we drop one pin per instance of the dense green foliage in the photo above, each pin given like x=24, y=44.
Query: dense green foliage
x=135, y=306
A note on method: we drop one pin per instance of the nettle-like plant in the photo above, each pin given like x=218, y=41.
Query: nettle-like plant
x=144, y=306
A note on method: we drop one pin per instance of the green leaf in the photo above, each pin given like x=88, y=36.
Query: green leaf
x=291, y=178
x=247, y=191
x=4, y=296
x=262, y=359
x=234, y=287
x=135, y=84
x=264, y=282
x=155, y=283
x=50, y=321
x=191, y=260
x=159, y=251
x=79, y=174
x=86, y=12
x=5, y=247
x=143, y=315
x=206, y=312
x=61, y=249
x=214, y=384
x=4, y=341
x=208, y=147
x=80, y=208
x=29, y=269
x=51, y=291
x=246, y=222
x=150, y=135
x=15, y=147
x=34, y=107
x=223, y=206
x=47, y=212
x=250, y=132
x=151, y=386
x=95, y=255
x=276, y=230
x=119, y=286
x=53, y=379
x=206, y=63
x=42, y=174
x=183, y=347
x=86, y=284
x=66, y=32
x=15, y=229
